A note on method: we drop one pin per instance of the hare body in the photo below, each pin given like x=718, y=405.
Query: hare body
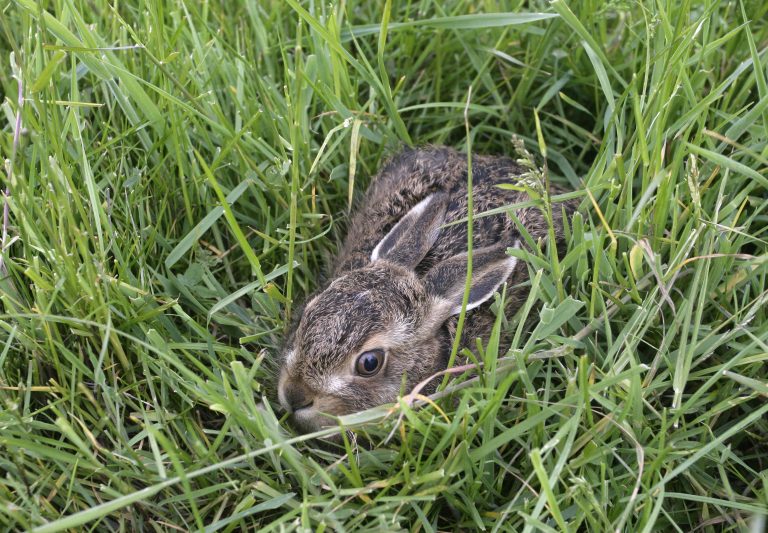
x=387, y=318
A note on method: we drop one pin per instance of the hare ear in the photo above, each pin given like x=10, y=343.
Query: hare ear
x=411, y=238
x=490, y=268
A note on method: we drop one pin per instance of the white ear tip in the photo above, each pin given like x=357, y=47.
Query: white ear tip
x=511, y=262
x=415, y=211
x=419, y=208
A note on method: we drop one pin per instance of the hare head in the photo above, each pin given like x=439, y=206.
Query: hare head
x=379, y=330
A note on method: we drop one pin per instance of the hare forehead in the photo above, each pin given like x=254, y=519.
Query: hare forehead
x=329, y=340
x=336, y=329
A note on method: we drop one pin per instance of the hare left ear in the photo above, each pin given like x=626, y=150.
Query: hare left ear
x=411, y=238
x=445, y=282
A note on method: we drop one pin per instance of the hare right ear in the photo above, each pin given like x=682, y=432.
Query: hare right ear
x=411, y=238
x=491, y=267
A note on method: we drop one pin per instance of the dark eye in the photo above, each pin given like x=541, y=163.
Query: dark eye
x=369, y=363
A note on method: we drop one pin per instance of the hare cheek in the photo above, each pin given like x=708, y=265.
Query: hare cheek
x=324, y=411
x=335, y=385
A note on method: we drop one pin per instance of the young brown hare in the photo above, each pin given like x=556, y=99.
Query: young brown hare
x=387, y=318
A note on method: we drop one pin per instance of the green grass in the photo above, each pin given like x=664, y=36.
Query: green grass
x=183, y=171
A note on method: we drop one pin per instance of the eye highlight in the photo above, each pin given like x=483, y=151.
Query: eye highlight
x=369, y=363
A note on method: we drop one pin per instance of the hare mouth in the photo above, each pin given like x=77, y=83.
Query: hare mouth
x=307, y=405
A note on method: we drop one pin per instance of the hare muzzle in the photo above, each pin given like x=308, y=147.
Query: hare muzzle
x=297, y=396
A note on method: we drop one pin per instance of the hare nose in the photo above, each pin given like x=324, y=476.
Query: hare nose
x=297, y=396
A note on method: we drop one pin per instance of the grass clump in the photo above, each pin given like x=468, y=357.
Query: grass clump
x=177, y=173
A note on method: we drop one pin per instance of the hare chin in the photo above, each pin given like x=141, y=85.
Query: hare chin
x=310, y=419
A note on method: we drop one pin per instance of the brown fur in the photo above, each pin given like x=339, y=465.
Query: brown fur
x=391, y=304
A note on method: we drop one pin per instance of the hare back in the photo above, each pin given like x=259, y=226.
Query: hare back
x=414, y=174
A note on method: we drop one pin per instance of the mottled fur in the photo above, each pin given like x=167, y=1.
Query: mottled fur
x=405, y=301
